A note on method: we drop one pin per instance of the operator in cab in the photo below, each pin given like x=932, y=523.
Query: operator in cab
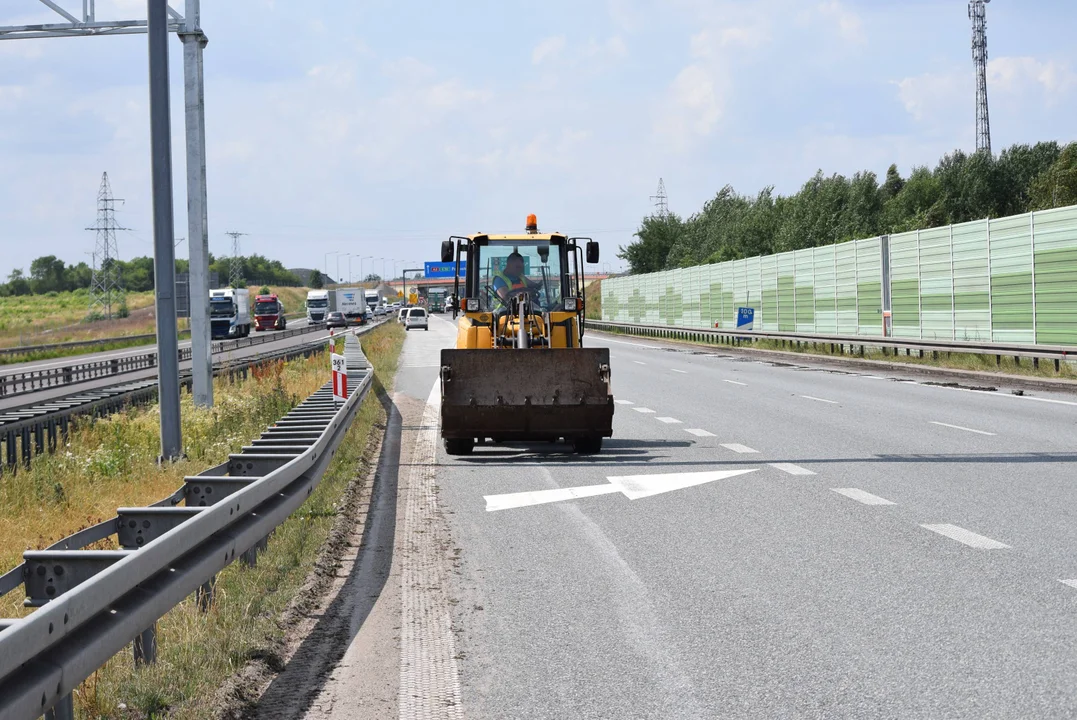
x=512, y=279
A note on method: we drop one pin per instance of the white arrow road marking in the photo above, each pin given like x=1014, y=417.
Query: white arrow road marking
x=1071, y=583
x=633, y=487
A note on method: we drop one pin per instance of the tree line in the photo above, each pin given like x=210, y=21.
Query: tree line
x=50, y=274
x=834, y=209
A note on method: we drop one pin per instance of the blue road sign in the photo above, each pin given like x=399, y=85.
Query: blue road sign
x=443, y=270
x=745, y=318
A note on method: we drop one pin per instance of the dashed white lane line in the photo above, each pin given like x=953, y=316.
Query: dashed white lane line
x=966, y=537
x=792, y=469
x=669, y=420
x=682, y=372
x=643, y=410
x=624, y=402
x=862, y=496
x=958, y=427
x=734, y=382
x=738, y=448
x=639, y=362
x=1071, y=583
x=699, y=433
x=816, y=399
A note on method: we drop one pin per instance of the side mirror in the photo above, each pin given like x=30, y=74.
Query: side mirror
x=446, y=251
x=592, y=252
x=544, y=254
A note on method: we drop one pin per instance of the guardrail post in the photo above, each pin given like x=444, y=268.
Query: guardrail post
x=205, y=594
x=67, y=375
x=64, y=709
x=115, y=366
x=145, y=647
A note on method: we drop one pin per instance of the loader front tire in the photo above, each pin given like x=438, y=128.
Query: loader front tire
x=459, y=446
x=587, y=445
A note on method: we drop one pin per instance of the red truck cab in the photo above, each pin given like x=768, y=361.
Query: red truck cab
x=268, y=313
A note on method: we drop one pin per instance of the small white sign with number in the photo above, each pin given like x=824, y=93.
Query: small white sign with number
x=340, y=376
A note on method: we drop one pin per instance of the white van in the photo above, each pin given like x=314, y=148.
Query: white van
x=416, y=319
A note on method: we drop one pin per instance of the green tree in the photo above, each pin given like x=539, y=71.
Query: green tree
x=1057, y=186
x=372, y=278
x=47, y=274
x=264, y=290
x=316, y=281
x=17, y=283
x=657, y=235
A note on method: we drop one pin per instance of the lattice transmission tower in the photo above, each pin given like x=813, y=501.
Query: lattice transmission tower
x=661, y=204
x=106, y=280
x=235, y=268
x=978, y=15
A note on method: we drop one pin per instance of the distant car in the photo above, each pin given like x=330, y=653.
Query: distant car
x=336, y=320
x=416, y=318
x=401, y=314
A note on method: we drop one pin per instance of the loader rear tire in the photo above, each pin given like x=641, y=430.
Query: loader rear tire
x=459, y=446
x=587, y=445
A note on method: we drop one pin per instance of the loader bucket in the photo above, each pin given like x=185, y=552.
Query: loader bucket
x=526, y=394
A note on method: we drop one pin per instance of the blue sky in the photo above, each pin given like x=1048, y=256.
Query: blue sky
x=378, y=128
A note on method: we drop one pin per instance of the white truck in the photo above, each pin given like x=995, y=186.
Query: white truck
x=372, y=300
x=229, y=313
x=317, y=306
x=352, y=303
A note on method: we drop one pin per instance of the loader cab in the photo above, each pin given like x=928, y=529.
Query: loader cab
x=550, y=282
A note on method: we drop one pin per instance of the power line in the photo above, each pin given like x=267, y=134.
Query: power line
x=978, y=15
x=106, y=279
x=661, y=204
x=235, y=268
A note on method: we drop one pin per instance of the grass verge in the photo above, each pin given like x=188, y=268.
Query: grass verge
x=953, y=361
x=198, y=651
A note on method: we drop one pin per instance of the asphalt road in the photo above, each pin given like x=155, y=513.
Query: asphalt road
x=804, y=542
x=30, y=365
x=23, y=400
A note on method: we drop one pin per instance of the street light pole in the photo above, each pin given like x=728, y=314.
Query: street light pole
x=164, y=251
x=326, y=265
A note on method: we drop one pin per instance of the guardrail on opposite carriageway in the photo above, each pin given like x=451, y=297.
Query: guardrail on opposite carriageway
x=102, y=600
x=30, y=381
x=1057, y=353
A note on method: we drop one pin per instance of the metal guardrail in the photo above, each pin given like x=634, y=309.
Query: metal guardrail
x=839, y=343
x=30, y=381
x=93, y=603
x=39, y=428
x=25, y=349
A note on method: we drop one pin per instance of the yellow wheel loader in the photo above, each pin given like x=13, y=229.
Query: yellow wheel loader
x=519, y=370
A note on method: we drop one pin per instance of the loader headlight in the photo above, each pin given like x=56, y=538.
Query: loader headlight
x=572, y=304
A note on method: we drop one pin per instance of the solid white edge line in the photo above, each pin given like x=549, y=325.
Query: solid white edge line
x=738, y=448
x=698, y=432
x=817, y=399
x=958, y=427
x=862, y=496
x=966, y=537
x=792, y=469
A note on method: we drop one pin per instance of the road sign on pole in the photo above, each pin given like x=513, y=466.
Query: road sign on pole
x=745, y=318
x=340, y=376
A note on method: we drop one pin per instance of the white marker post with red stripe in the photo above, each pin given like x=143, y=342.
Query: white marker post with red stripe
x=340, y=376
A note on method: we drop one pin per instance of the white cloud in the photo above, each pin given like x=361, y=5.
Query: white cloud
x=1017, y=74
x=692, y=108
x=849, y=24
x=924, y=96
x=548, y=48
